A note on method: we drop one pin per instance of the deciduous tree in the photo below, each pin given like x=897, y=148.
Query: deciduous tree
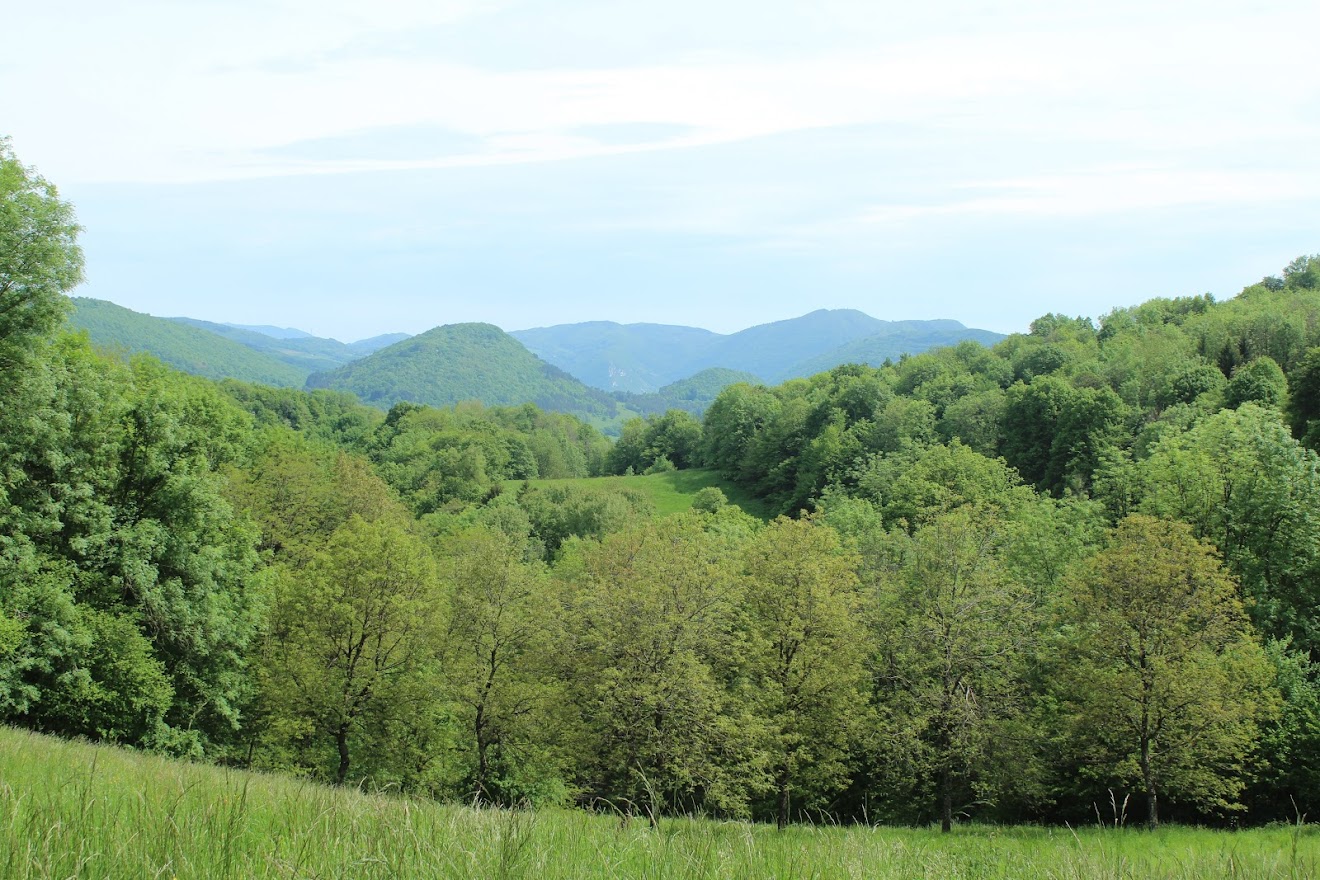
x=1164, y=676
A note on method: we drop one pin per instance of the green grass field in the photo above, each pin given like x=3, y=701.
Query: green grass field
x=671, y=492
x=71, y=810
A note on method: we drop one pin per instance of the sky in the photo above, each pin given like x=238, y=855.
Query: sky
x=352, y=169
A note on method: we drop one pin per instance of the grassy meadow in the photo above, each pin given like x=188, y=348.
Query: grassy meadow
x=73, y=810
x=671, y=492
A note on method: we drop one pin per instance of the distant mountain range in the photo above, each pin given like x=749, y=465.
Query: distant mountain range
x=640, y=358
x=646, y=368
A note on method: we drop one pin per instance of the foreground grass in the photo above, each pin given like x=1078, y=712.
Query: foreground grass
x=671, y=492
x=71, y=810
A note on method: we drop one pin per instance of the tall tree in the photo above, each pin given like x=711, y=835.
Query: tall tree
x=650, y=618
x=353, y=642
x=1163, y=674
x=498, y=670
x=803, y=657
x=953, y=632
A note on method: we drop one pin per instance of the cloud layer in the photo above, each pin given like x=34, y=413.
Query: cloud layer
x=740, y=162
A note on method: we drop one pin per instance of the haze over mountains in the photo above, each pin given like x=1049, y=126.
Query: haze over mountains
x=568, y=368
x=641, y=358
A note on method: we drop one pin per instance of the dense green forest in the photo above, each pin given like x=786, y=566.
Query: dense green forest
x=1071, y=574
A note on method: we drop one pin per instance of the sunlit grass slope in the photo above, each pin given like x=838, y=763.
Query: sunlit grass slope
x=671, y=492
x=73, y=810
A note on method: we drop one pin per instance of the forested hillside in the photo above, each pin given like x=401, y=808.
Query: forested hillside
x=457, y=362
x=191, y=349
x=1069, y=575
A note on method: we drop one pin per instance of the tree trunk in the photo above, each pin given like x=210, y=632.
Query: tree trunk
x=483, y=761
x=946, y=797
x=781, y=820
x=341, y=741
x=1148, y=779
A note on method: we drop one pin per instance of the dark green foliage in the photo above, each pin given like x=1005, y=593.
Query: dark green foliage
x=674, y=436
x=1289, y=779
x=1261, y=381
x=1054, y=431
x=112, y=478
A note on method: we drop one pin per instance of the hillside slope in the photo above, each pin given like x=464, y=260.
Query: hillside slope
x=458, y=362
x=191, y=349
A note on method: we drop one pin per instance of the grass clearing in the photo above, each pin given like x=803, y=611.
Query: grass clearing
x=671, y=492
x=73, y=810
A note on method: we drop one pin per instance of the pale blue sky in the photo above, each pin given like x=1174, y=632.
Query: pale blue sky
x=352, y=170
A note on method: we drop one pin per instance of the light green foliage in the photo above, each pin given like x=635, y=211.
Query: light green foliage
x=40, y=259
x=803, y=660
x=1246, y=486
x=298, y=493
x=446, y=459
x=1046, y=536
x=1165, y=680
x=917, y=483
x=498, y=649
x=952, y=634
x=560, y=511
x=329, y=416
x=709, y=500
x=350, y=654
x=669, y=493
x=650, y=620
